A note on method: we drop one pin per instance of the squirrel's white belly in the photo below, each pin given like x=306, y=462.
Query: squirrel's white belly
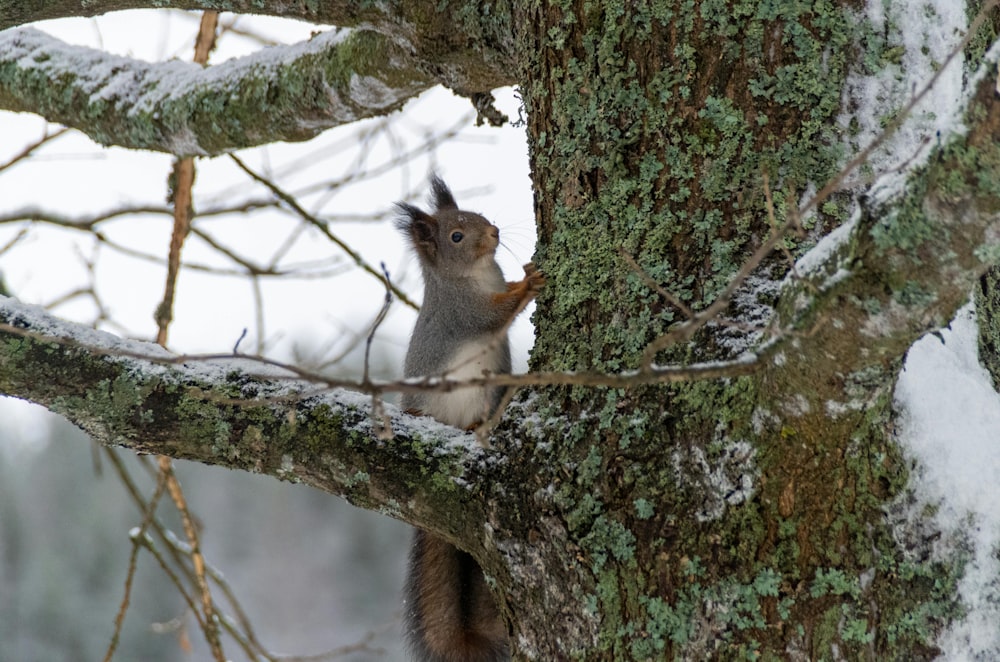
x=464, y=406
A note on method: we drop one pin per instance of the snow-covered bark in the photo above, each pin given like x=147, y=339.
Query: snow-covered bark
x=336, y=12
x=282, y=93
x=684, y=151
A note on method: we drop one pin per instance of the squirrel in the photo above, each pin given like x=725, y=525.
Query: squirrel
x=460, y=333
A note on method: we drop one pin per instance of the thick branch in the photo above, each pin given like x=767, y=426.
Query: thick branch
x=427, y=473
x=19, y=12
x=285, y=93
x=903, y=267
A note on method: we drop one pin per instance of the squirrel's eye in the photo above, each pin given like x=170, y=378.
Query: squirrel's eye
x=457, y=237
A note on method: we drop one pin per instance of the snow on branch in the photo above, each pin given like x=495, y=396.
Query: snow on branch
x=329, y=12
x=238, y=413
x=283, y=93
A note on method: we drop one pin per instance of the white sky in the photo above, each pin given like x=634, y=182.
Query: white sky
x=492, y=163
x=951, y=413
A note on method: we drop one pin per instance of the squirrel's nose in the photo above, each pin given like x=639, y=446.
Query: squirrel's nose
x=495, y=231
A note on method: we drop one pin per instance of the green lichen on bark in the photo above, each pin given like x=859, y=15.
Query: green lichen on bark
x=679, y=146
x=467, y=46
x=987, y=298
x=649, y=148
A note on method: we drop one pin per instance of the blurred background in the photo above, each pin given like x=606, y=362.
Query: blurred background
x=85, y=230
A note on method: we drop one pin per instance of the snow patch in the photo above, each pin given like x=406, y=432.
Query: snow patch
x=35, y=320
x=836, y=409
x=752, y=313
x=925, y=33
x=950, y=423
x=796, y=405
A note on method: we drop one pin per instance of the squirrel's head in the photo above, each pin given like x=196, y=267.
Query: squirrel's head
x=448, y=241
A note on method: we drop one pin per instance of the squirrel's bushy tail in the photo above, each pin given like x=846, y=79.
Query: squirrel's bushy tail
x=450, y=613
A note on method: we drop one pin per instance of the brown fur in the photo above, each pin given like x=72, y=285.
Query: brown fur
x=451, y=614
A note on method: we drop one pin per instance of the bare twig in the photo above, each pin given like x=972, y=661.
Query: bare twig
x=148, y=517
x=236, y=347
x=653, y=285
x=209, y=621
x=30, y=148
x=773, y=222
x=654, y=375
x=179, y=551
x=383, y=311
x=147, y=543
x=183, y=179
x=382, y=423
x=362, y=646
x=16, y=239
x=323, y=228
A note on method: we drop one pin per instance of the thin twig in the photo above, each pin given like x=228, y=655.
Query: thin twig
x=653, y=285
x=323, y=228
x=174, y=578
x=382, y=423
x=773, y=222
x=183, y=176
x=132, y=564
x=653, y=375
x=386, y=303
x=31, y=147
x=210, y=625
x=178, y=553
x=16, y=239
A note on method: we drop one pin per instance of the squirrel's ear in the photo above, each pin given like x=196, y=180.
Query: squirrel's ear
x=406, y=215
x=422, y=230
x=419, y=226
x=441, y=197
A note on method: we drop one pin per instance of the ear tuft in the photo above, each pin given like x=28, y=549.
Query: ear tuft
x=441, y=197
x=406, y=214
x=418, y=226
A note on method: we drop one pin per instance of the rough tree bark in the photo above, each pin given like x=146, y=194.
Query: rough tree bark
x=738, y=517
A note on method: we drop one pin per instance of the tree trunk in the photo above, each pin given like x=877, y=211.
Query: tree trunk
x=738, y=517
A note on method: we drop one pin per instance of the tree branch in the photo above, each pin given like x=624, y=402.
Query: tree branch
x=427, y=474
x=464, y=46
x=902, y=267
x=18, y=12
x=329, y=12
x=286, y=93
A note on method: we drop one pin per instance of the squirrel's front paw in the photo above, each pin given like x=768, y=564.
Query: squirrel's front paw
x=533, y=277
